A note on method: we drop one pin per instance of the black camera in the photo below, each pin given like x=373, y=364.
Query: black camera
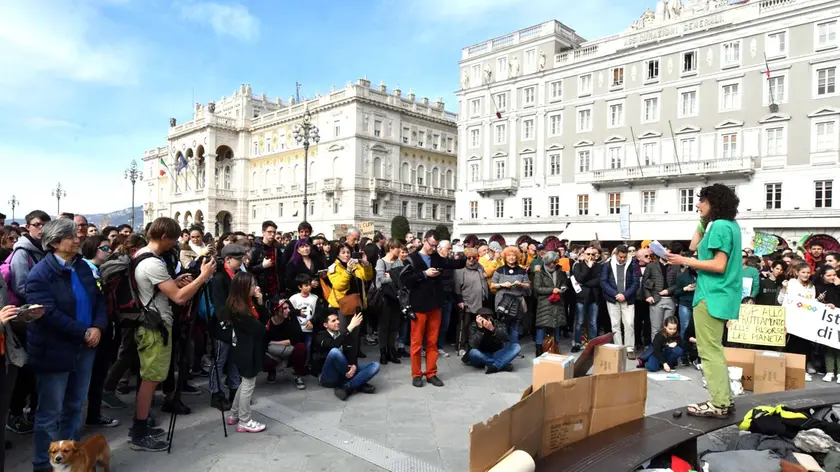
x=408, y=312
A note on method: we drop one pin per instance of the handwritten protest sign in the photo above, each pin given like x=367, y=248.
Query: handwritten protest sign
x=759, y=324
x=812, y=320
x=366, y=228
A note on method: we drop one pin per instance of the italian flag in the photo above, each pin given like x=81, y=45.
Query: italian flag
x=162, y=171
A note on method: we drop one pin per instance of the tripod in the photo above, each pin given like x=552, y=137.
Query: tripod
x=183, y=360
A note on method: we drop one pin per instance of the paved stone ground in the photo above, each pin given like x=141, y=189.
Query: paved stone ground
x=400, y=428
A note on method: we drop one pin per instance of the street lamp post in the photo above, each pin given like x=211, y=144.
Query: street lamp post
x=14, y=202
x=58, y=192
x=303, y=134
x=133, y=174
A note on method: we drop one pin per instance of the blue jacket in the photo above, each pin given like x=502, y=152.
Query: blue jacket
x=631, y=282
x=54, y=340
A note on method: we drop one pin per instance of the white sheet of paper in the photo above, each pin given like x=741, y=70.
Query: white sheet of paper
x=658, y=249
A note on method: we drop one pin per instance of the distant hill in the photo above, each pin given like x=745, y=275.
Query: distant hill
x=114, y=218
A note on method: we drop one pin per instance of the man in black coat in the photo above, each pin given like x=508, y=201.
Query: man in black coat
x=336, y=354
x=421, y=277
x=266, y=262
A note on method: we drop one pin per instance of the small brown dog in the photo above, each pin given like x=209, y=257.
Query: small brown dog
x=73, y=456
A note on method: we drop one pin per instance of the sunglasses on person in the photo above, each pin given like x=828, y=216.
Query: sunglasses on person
x=589, y=254
x=12, y=239
x=37, y=225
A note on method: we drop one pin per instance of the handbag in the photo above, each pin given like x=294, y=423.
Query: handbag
x=348, y=303
x=549, y=345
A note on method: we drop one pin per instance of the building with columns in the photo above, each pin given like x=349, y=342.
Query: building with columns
x=236, y=163
x=561, y=135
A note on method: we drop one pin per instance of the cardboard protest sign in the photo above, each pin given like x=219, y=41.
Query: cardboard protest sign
x=366, y=228
x=759, y=324
x=812, y=320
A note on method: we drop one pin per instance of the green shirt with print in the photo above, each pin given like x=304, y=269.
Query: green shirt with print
x=722, y=292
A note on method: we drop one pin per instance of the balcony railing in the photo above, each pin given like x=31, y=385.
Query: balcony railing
x=381, y=184
x=332, y=184
x=507, y=185
x=669, y=171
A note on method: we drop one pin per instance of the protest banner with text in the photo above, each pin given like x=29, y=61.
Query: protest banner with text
x=758, y=324
x=812, y=320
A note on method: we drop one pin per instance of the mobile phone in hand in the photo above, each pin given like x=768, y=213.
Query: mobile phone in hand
x=25, y=314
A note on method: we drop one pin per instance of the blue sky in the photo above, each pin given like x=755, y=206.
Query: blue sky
x=88, y=85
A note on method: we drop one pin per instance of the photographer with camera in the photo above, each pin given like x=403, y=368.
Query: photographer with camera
x=347, y=277
x=421, y=277
x=156, y=288
x=489, y=346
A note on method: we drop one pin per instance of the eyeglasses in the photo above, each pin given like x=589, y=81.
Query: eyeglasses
x=105, y=248
x=37, y=225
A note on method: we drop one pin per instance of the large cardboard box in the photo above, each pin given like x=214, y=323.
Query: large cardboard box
x=552, y=368
x=609, y=359
x=745, y=359
x=769, y=372
x=559, y=414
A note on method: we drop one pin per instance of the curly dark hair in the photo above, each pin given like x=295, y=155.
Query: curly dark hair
x=723, y=201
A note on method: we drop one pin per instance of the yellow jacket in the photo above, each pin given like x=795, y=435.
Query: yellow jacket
x=525, y=260
x=490, y=267
x=340, y=280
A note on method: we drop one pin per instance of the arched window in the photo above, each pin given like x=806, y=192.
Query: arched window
x=435, y=178
x=298, y=177
x=266, y=181
x=216, y=173
x=405, y=173
x=377, y=168
x=336, y=170
x=449, y=182
x=228, y=178
x=199, y=173
x=280, y=176
x=311, y=176
x=421, y=175
x=254, y=181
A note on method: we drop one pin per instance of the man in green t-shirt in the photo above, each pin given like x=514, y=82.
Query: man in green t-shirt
x=717, y=297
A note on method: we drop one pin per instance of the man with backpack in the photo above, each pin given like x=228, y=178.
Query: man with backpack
x=155, y=289
x=15, y=269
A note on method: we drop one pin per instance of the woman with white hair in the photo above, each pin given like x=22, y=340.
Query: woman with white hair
x=62, y=344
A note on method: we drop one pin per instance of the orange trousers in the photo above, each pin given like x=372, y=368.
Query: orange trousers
x=428, y=325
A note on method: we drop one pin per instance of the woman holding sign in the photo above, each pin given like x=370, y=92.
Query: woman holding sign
x=717, y=296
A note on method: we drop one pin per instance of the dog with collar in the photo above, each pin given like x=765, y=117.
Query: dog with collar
x=75, y=456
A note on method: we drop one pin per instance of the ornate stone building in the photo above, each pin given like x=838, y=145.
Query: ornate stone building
x=236, y=164
x=563, y=135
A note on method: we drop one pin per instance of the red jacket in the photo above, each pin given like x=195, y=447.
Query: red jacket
x=813, y=262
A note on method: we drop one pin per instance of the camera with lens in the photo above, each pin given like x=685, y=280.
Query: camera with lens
x=408, y=312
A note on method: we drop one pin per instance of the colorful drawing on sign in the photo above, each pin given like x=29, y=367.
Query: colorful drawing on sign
x=758, y=324
x=764, y=243
x=812, y=320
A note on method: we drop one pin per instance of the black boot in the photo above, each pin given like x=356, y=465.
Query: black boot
x=539, y=350
x=393, y=356
x=383, y=355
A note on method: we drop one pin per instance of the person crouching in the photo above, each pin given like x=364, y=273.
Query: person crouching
x=667, y=349
x=248, y=342
x=489, y=346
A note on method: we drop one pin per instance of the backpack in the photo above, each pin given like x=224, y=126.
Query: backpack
x=145, y=315
x=6, y=272
x=403, y=293
x=119, y=299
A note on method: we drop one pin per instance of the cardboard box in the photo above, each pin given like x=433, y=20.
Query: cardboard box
x=552, y=368
x=557, y=415
x=609, y=359
x=769, y=372
x=745, y=359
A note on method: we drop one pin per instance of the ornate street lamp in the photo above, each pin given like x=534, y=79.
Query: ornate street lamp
x=14, y=202
x=303, y=134
x=58, y=193
x=133, y=174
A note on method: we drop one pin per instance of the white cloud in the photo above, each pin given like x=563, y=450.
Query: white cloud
x=62, y=41
x=232, y=20
x=40, y=122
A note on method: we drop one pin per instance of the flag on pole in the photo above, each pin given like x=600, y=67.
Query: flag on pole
x=766, y=66
x=182, y=164
x=162, y=171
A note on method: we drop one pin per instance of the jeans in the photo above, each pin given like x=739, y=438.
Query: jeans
x=241, y=406
x=498, y=359
x=334, y=374
x=101, y=366
x=126, y=358
x=586, y=314
x=512, y=325
x=684, y=313
x=224, y=358
x=293, y=355
x=445, y=317
x=658, y=312
x=672, y=357
x=541, y=334
x=61, y=396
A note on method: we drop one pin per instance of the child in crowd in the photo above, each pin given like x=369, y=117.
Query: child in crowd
x=667, y=348
x=305, y=302
x=248, y=346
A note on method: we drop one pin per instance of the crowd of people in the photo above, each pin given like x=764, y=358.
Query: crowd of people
x=85, y=312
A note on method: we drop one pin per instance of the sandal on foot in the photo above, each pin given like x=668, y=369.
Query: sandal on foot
x=707, y=410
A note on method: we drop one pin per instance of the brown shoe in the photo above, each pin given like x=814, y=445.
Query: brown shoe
x=631, y=355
